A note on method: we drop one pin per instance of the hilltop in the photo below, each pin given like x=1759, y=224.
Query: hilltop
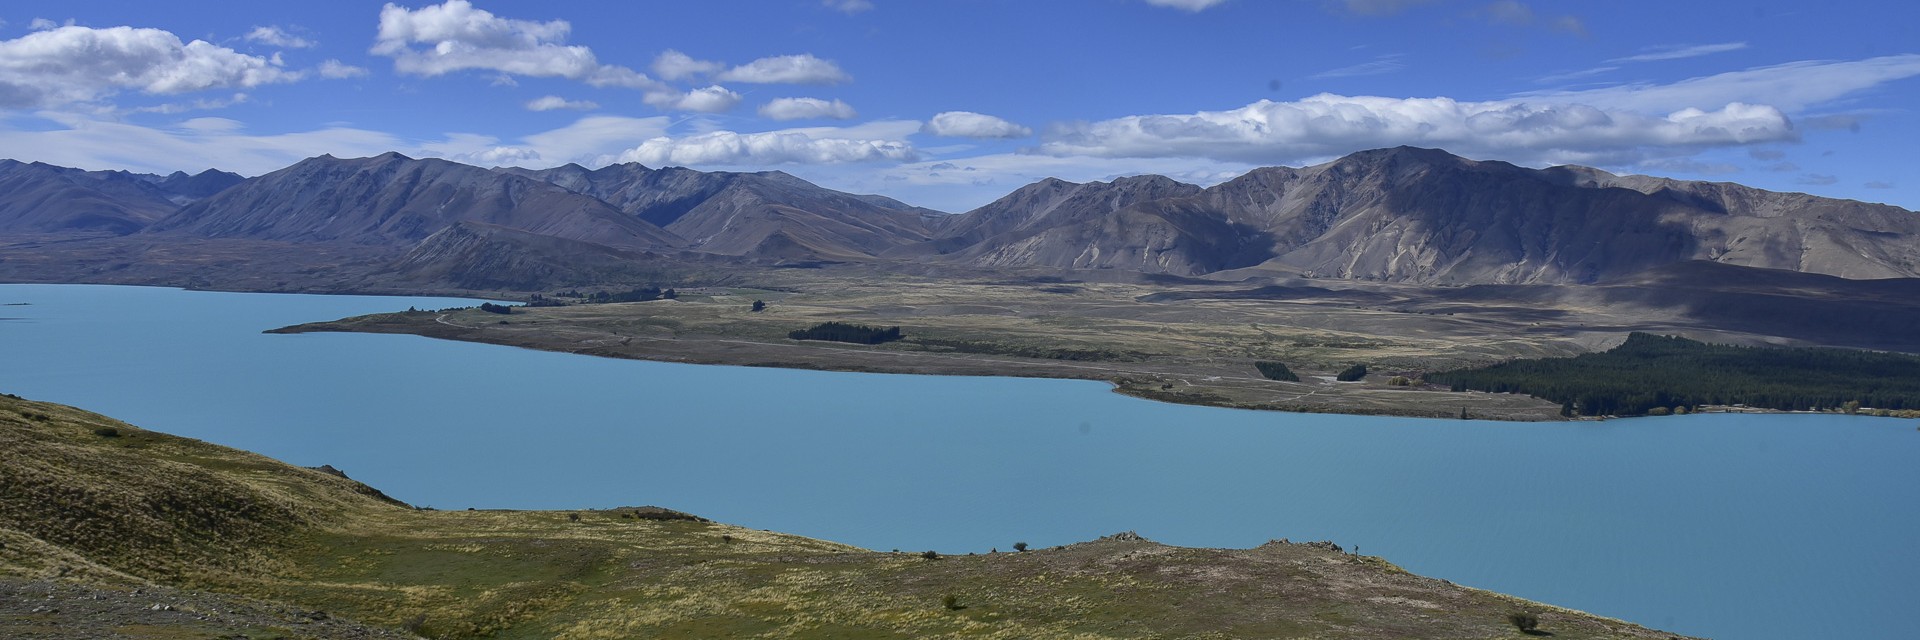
x=112, y=529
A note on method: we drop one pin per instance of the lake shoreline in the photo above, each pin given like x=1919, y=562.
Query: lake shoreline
x=1127, y=379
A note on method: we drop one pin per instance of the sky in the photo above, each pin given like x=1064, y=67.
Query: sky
x=950, y=104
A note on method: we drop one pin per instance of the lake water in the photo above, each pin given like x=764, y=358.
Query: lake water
x=1719, y=525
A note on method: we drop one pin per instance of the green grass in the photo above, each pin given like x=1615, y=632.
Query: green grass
x=148, y=507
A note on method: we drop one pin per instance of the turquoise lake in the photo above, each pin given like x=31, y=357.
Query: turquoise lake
x=1728, y=526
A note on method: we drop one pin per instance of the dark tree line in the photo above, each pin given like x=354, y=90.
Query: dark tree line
x=1351, y=374
x=1651, y=372
x=844, y=332
x=495, y=308
x=1276, y=371
x=639, y=294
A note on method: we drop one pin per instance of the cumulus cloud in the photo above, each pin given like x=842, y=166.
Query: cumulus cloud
x=872, y=142
x=769, y=148
x=66, y=65
x=967, y=124
x=1327, y=125
x=1681, y=51
x=554, y=103
x=43, y=24
x=713, y=99
x=337, y=70
x=1187, y=5
x=274, y=36
x=455, y=36
x=795, y=69
x=849, y=7
x=806, y=108
x=674, y=65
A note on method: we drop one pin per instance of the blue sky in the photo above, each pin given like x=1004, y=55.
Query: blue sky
x=950, y=104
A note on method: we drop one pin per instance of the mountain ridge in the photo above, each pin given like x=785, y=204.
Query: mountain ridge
x=1405, y=214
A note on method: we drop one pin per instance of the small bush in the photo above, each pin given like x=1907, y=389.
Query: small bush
x=759, y=305
x=1352, y=373
x=1020, y=546
x=1524, y=621
x=1276, y=371
x=952, y=602
x=1659, y=411
x=930, y=554
x=573, y=517
x=1399, y=381
x=107, y=432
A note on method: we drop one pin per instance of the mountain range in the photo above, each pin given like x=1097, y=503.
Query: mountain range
x=1404, y=215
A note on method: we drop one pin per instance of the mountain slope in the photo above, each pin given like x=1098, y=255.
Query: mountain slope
x=769, y=215
x=478, y=256
x=393, y=200
x=42, y=198
x=1426, y=216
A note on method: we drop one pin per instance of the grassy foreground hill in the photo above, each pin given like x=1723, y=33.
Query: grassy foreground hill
x=111, y=530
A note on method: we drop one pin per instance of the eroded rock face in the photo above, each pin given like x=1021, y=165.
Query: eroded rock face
x=1426, y=216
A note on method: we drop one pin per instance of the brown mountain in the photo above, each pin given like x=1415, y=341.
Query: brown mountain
x=43, y=198
x=767, y=215
x=393, y=200
x=1426, y=216
x=480, y=256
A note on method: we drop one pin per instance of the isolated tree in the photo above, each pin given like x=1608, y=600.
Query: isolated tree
x=759, y=305
x=1019, y=546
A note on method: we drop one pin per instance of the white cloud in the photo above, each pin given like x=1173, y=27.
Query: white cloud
x=211, y=125
x=967, y=124
x=274, y=36
x=796, y=69
x=1511, y=12
x=1327, y=125
x=202, y=104
x=713, y=99
x=1379, y=65
x=674, y=65
x=806, y=108
x=851, y=7
x=882, y=141
x=1677, y=52
x=594, y=140
x=80, y=141
x=1379, y=7
x=66, y=65
x=1187, y=5
x=459, y=37
x=43, y=24
x=1519, y=14
x=1791, y=87
x=337, y=70
x=554, y=103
